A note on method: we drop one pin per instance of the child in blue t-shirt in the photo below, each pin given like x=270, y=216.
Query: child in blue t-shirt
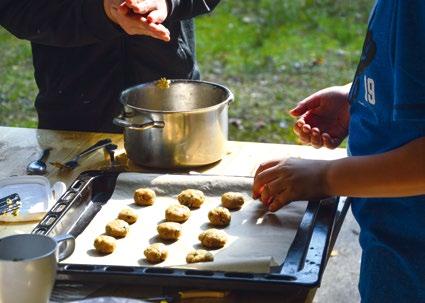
x=383, y=112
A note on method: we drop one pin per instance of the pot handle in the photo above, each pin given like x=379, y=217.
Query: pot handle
x=138, y=126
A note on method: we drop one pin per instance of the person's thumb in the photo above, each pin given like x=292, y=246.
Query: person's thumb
x=305, y=105
x=156, y=16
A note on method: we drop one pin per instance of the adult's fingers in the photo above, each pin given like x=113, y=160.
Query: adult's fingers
x=156, y=16
x=141, y=7
x=159, y=31
x=279, y=201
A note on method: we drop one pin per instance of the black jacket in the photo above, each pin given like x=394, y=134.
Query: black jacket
x=83, y=61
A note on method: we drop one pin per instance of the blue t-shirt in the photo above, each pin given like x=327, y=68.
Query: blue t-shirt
x=387, y=111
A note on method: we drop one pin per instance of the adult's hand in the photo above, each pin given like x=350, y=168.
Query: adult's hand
x=155, y=11
x=134, y=23
x=323, y=117
x=279, y=182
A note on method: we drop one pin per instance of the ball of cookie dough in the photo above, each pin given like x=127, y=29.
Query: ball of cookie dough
x=128, y=215
x=105, y=244
x=199, y=255
x=177, y=213
x=117, y=228
x=144, y=196
x=192, y=198
x=156, y=253
x=169, y=230
x=219, y=216
x=213, y=238
x=232, y=200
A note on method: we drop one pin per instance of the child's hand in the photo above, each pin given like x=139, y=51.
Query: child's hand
x=279, y=182
x=323, y=117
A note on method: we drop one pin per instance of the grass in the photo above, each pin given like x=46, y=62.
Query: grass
x=270, y=53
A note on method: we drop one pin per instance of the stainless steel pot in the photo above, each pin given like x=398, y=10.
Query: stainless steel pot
x=180, y=126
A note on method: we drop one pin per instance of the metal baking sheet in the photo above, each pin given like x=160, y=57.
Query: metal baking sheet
x=257, y=239
x=302, y=267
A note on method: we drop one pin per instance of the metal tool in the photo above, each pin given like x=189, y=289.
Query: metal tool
x=10, y=204
x=38, y=167
x=74, y=162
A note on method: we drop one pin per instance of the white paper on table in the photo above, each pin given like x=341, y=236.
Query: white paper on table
x=257, y=239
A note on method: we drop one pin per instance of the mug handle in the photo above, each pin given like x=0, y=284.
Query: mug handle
x=70, y=245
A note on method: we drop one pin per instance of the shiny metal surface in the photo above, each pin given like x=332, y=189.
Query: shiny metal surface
x=28, y=267
x=38, y=167
x=191, y=123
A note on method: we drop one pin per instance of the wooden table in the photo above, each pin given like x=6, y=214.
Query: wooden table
x=19, y=146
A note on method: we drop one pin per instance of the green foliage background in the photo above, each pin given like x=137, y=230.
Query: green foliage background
x=270, y=53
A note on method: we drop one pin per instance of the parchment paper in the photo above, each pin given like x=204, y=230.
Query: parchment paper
x=257, y=239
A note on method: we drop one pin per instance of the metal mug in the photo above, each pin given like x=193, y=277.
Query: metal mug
x=28, y=266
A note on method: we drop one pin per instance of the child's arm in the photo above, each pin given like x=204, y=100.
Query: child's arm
x=400, y=172
x=397, y=173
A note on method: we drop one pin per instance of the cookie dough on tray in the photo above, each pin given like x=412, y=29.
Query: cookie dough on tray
x=144, y=196
x=199, y=255
x=128, y=215
x=232, y=200
x=219, y=216
x=213, y=238
x=169, y=230
x=105, y=244
x=192, y=198
x=117, y=228
x=177, y=213
x=156, y=253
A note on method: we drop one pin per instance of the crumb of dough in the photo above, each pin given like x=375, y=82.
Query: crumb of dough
x=128, y=215
x=163, y=83
x=144, y=196
x=105, y=244
x=213, y=238
x=199, y=255
x=191, y=198
x=122, y=159
x=219, y=216
x=177, y=213
x=156, y=253
x=117, y=228
x=232, y=200
x=169, y=230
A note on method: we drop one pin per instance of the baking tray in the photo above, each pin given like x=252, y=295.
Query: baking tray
x=302, y=267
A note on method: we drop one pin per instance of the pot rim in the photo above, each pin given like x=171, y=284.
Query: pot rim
x=229, y=98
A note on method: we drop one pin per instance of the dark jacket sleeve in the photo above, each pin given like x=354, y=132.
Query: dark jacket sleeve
x=64, y=23
x=186, y=9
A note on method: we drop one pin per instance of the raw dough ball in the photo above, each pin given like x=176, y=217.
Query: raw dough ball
x=144, y=196
x=117, y=228
x=219, y=216
x=105, y=244
x=232, y=200
x=192, y=198
x=169, y=230
x=177, y=213
x=156, y=253
x=213, y=238
x=199, y=255
x=128, y=215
